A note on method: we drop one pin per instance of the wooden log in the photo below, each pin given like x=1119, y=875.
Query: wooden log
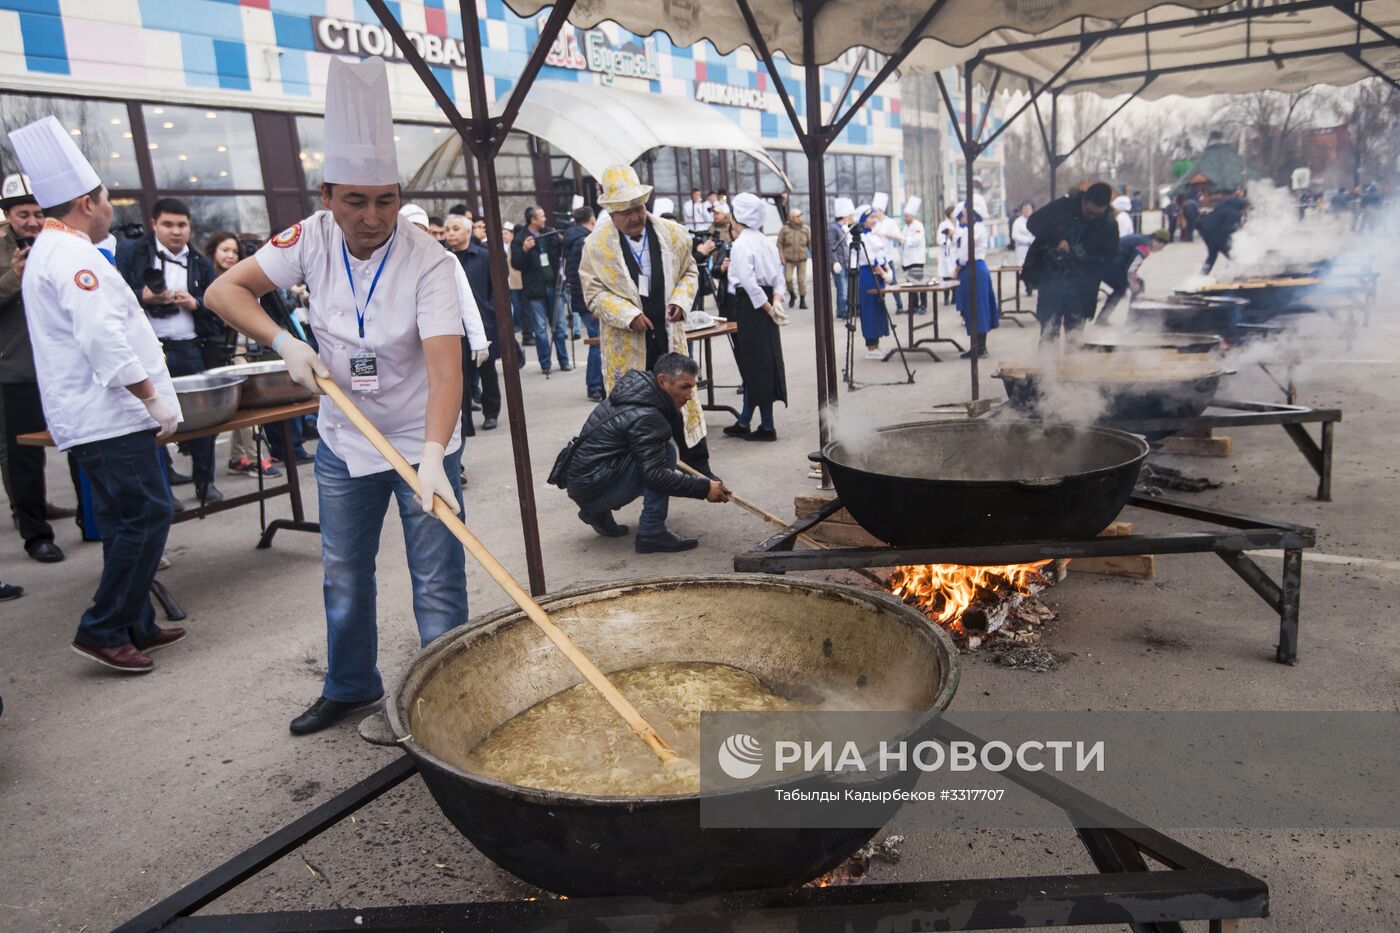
x=1186, y=445
x=1133, y=566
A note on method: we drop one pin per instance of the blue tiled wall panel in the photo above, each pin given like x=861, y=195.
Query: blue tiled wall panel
x=198, y=53
x=293, y=32
x=41, y=30
x=231, y=61
x=197, y=17
x=295, y=80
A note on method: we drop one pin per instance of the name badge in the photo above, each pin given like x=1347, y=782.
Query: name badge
x=643, y=284
x=544, y=257
x=364, y=371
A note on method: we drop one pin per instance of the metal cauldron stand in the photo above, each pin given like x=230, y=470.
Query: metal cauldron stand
x=1124, y=890
x=1240, y=534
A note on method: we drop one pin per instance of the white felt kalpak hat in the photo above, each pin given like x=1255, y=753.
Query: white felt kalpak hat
x=880, y=201
x=57, y=171
x=16, y=190
x=912, y=205
x=843, y=207
x=359, y=136
x=414, y=215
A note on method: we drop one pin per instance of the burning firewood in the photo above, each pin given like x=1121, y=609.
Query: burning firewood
x=975, y=603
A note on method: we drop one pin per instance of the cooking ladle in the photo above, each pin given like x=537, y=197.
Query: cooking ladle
x=447, y=514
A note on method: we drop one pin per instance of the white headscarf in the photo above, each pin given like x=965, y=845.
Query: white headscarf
x=749, y=210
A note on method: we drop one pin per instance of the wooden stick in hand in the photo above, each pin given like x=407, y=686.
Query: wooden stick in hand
x=447, y=514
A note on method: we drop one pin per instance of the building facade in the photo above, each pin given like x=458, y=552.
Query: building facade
x=218, y=102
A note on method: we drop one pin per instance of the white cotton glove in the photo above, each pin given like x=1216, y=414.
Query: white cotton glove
x=303, y=363
x=165, y=414
x=479, y=357
x=836, y=267
x=776, y=312
x=432, y=479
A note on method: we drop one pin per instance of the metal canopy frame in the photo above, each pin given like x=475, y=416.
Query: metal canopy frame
x=1242, y=533
x=1125, y=889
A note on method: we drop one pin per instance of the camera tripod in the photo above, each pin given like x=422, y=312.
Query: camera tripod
x=853, y=298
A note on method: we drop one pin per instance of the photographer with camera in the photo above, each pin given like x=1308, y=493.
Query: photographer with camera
x=169, y=277
x=1076, y=242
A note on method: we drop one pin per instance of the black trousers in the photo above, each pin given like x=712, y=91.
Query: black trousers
x=24, y=414
x=186, y=358
x=490, y=383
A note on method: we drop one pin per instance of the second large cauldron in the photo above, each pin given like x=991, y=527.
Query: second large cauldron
x=985, y=482
x=807, y=640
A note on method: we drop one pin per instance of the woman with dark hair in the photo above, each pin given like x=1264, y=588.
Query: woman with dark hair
x=223, y=251
x=974, y=277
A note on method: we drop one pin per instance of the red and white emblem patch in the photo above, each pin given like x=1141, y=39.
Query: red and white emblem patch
x=287, y=237
x=86, y=279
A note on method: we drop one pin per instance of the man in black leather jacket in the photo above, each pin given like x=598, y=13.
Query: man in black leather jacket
x=625, y=451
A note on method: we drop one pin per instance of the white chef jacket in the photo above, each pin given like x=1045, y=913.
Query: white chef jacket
x=471, y=314
x=947, y=261
x=697, y=215
x=914, y=246
x=753, y=264
x=417, y=298
x=1125, y=224
x=980, y=239
x=91, y=339
x=874, y=249
x=180, y=325
x=1023, y=238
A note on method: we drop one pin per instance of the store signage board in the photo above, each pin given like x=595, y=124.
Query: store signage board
x=581, y=50
x=733, y=95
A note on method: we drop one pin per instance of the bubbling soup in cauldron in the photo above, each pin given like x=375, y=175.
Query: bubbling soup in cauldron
x=575, y=742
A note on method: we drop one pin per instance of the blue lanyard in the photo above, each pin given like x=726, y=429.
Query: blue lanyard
x=345, y=256
x=637, y=254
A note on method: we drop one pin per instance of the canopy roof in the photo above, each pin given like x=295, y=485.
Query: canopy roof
x=1190, y=47
x=600, y=126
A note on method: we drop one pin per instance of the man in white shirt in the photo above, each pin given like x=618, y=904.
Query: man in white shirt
x=106, y=393
x=913, y=252
x=696, y=213
x=386, y=315
x=170, y=277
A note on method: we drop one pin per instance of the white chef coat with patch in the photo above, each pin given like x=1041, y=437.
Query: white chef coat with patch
x=753, y=264
x=91, y=339
x=416, y=298
x=913, y=246
x=180, y=325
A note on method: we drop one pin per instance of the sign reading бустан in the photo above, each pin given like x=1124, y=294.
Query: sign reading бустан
x=589, y=50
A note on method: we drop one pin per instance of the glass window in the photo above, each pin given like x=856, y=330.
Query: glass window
x=845, y=174
x=865, y=176
x=311, y=139
x=663, y=170
x=882, y=174
x=195, y=148
x=239, y=213
x=100, y=128
x=795, y=165
x=127, y=212
x=515, y=170
x=422, y=153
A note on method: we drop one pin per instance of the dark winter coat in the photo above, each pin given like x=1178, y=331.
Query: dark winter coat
x=536, y=278
x=572, y=248
x=16, y=353
x=1222, y=222
x=134, y=257
x=1093, y=244
x=635, y=422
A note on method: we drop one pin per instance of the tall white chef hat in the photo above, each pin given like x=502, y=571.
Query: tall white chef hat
x=749, y=210
x=663, y=206
x=414, y=215
x=359, y=135
x=843, y=207
x=57, y=171
x=880, y=202
x=912, y=205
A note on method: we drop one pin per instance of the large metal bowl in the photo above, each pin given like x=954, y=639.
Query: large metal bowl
x=802, y=638
x=1101, y=341
x=985, y=482
x=1129, y=385
x=206, y=400
x=267, y=385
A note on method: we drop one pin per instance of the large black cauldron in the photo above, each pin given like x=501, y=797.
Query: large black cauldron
x=805, y=639
x=985, y=482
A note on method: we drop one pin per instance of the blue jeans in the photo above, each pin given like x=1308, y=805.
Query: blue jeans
x=352, y=515
x=765, y=413
x=131, y=505
x=517, y=309
x=627, y=487
x=540, y=310
x=840, y=279
x=593, y=375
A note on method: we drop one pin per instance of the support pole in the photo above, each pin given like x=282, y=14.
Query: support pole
x=1054, y=143
x=489, y=134
x=815, y=143
x=970, y=217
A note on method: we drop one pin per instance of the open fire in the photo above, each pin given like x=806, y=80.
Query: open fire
x=973, y=602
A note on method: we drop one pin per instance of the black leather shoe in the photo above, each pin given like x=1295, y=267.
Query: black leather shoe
x=209, y=493
x=803, y=303
x=762, y=434
x=46, y=552
x=489, y=424
x=180, y=479
x=595, y=396
x=325, y=713
x=668, y=542
x=603, y=523
x=737, y=430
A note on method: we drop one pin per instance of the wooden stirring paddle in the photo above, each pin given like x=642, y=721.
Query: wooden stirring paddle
x=447, y=514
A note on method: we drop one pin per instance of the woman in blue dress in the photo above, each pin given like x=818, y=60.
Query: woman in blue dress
x=975, y=276
x=873, y=260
